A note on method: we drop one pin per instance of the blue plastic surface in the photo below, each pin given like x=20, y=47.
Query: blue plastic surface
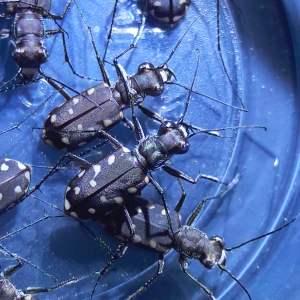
x=260, y=46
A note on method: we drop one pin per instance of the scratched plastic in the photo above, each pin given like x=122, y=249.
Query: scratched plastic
x=260, y=46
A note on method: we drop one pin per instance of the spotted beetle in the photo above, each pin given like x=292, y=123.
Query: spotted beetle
x=14, y=183
x=168, y=11
x=29, y=33
x=152, y=233
x=75, y=122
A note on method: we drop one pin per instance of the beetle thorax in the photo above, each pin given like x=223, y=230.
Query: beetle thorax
x=154, y=152
x=191, y=241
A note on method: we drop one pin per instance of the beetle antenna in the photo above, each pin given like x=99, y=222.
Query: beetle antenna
x=226, y=128
x=264, y=235
x=190, y=91
x=178, y=43
x=206, y=96
x=236, y=280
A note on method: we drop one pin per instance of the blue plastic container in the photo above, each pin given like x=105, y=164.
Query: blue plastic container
x=260, y=46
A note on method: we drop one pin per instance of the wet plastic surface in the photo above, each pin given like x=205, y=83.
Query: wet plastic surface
x=261, y=53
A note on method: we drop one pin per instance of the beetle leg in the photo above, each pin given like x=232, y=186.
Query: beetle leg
x=176, y=173
x=150, y=114
x=184, y=265
x=51, y=32
x=13, y=269
x=55, y=17
x=159, y=272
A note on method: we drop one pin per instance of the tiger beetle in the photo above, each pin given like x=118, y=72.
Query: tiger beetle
x=14, y=183
x=29, y=33
x=112, y=181
x=15, y=180
x=8, y=290
x=153, y=234
x=75, y=122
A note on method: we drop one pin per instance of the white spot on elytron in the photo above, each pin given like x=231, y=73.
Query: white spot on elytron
x=79, y=126
x=119, y=200
x=138, y=209
x=81, y=174
x=152, y=244
x=53, y=118
x=103, y=199
x=106, y=85
x=26, y=190
x=21, y=166
x=71, y=111
x=74, y=215
x=92, y=129
x=65, y=140
x=176, y=18
x=137, y=239
x=77, y=190
x=164, y=19
x=18, y=189
x=68, y=188
x=75, y=101
x=97, y=169
x=27, y=175
x=181, y=2
x=107, y=122
x=147, y=179
x=157, y=3
x=91, y=91
x=121, y=115
x=7, y=159
x=111, y=160
x=1, y=196
x=44, y=133
x=150, y=205
x=4, y=167
x=82, y=144
x=126, y=150
x=133, y=226
x=163, y=212
x=92, y=211
x=132, y=190
x=49, y=143
x=93, y=183
x=67, y=204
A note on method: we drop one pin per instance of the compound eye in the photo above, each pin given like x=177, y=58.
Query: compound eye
x=43, y=55
x=183, y=147
x=145, y=66
x=219, y=239
x=165, y=127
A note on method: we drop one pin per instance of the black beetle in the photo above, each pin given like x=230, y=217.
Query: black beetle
x=168, y=11
x=75, y=122
x=14, y=183
x=29, y=33
x=152, y=233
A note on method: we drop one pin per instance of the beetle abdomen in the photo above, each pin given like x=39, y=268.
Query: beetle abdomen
x=67, y=126
x=104, y=186
x=168, y=11
x=14, y=183
x=150, y=224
